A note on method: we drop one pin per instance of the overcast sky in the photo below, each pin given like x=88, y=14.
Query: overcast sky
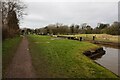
x=41, y=14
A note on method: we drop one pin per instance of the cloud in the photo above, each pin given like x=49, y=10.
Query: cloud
x=71, y=0
x=41, y=14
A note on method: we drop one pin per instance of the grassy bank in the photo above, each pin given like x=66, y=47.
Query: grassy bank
x=99, y=37
x=54, y=57
x=9, y=47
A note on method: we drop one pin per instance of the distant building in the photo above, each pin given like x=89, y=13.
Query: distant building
x=102, y=25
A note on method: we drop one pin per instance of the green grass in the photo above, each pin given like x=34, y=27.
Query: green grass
x=63, y=58
x=99, y=37
x=9, y=47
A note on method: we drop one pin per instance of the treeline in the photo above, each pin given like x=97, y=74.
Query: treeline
x=58, y=28
x=12, y=12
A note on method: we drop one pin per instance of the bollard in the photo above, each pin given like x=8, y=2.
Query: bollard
x=93, y=38
x=80, y=38
x=72, y=38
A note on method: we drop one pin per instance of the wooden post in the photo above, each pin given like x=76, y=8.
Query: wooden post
x=80, y=38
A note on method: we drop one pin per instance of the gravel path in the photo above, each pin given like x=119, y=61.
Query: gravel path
x=21, y=66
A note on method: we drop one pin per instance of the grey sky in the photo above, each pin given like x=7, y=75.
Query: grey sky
x=41, y=14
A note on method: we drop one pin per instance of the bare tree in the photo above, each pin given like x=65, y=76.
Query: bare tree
x=12, y=12
x=72, y=28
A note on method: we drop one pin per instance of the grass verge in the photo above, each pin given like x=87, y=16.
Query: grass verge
x=9, y=47
x=56, y=58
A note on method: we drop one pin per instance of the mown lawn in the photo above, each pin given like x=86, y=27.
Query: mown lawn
x=9, y=47
x=99, y=37
x=56, y=58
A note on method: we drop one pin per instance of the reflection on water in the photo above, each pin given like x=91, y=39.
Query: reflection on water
x=110, y=59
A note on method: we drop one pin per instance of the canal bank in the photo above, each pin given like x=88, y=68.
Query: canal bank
x=57, y=57
x=106, y=57
x=110, y=59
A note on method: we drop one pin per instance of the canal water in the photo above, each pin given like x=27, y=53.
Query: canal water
x=109, y=59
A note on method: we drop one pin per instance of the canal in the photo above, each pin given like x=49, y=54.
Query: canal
x=110, y=59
